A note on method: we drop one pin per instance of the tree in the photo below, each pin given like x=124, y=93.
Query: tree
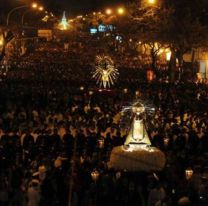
x=144, y=26
x=177, y=24
x=185, y=29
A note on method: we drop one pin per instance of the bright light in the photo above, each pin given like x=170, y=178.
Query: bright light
x=160, y=51
x=151, y=1
x=168, y=55
x=1, y=41
x=121, y=11
x=108, y=11
x=64, y=25
x=34, y=5
x=41, y=8
x=105, y=72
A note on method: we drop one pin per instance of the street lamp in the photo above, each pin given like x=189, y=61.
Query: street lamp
x=120, y=11
x=34, y=5
x=40, y=8
x=108, y=11
x=151, y=1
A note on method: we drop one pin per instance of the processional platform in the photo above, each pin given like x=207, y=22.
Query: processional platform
x=137, y=157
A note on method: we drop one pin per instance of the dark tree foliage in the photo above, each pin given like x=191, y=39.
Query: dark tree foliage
x=179, y=24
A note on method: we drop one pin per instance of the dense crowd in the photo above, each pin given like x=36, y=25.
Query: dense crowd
x=56, y=137
x=42, y=130
x=61, y=61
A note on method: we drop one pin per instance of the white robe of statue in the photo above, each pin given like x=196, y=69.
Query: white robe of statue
x=138, y=133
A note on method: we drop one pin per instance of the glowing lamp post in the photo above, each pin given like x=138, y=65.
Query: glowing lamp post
x=33, y=5
x=108, y=11
x=189, y=173
x=40, y=8
x=151, y=1
x=120, y=11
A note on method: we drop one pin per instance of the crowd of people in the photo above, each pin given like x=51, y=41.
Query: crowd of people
x=62, y=59
x=56, y=138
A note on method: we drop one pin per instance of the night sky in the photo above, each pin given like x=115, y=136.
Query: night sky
x=70, y=6
x=76, y=6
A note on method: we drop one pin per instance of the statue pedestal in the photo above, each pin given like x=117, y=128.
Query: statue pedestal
x=137, y=157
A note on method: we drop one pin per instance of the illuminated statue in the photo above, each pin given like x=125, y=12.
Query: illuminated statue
x=64, y=25
x=105, y=72
x=138, y=133
x=137, y=154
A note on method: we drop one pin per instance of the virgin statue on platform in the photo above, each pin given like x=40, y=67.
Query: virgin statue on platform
x=138, y=133
x=137, y=154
